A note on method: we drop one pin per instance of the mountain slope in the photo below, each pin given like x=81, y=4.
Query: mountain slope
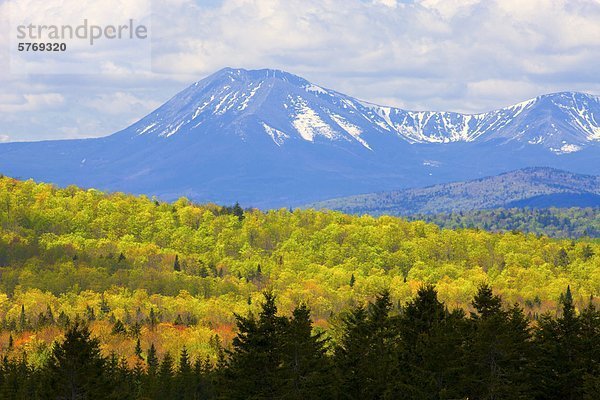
x=268, y=138
x=542, y=187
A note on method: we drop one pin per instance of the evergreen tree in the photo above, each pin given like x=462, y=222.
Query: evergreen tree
x=560, y=367
x=238, y=211
x=22, y=319
x=306, y=371
x=176, y=265
x=429, y=353
x=75, y=369
x=138, y=348
x=186, y=383
x=498, y=350
x=590, y=343
x=150, y=382
x=254, y=366
x=165, y=378
x=364, y=356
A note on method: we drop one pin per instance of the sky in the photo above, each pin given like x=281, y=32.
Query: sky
x=453, y=55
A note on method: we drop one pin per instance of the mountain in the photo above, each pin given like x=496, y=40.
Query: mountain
x=268, y=138
x=530, y=187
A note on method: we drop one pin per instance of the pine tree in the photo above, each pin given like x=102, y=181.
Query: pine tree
x=186, y=386
x=153, y=320
x=22, y=319
x=238, y=211
x=590, y=343
x=119, y=328
x=429, y=351
x=150, y=382
x=176, y=265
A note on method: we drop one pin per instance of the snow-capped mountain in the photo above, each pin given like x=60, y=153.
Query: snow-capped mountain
x=287, y=107
x=270, y=138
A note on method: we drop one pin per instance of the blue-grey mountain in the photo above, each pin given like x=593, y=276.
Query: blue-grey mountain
x=269, y=138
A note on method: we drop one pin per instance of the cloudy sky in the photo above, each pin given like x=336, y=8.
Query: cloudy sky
x=456, y=55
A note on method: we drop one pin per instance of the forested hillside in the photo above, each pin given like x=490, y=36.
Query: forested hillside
x=554, y=222
x=529, y=187
x=173, y=274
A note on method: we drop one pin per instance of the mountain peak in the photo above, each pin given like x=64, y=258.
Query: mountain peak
x=249, y=75
x=284, y=108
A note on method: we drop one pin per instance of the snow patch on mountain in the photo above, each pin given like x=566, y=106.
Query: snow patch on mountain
x=352, y=129
x=278, y=136
x=309, y=124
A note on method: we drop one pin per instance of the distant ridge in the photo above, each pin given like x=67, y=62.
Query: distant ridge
x=529, y=187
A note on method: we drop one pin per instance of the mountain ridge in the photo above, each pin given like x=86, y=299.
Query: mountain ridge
x=267, y=138
x=523, y=187
x=412, y=126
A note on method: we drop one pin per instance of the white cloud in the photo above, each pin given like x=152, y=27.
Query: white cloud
x=119, y=103
x=30, y=102
x=467, y=55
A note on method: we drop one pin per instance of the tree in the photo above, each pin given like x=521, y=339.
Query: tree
x=306, y=371
x=365, y=354
x=430, y=350
x=238, y=211
x=253, y=370
x=185, y=382
x=560, y=367
x=75, y=370
x=138, y=348
x=498, y=350
x=165, y=378
x=176, y=265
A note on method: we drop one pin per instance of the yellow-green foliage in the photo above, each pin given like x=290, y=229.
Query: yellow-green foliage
x=69, y=248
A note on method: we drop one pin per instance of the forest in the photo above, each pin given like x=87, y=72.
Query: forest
x=554, y=222
x=422, y=350
x=138, y=272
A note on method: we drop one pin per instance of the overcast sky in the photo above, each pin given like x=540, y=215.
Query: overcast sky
x=454, y=55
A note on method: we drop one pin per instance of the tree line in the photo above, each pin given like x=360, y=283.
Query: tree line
x=420, y=350
x=554, y=222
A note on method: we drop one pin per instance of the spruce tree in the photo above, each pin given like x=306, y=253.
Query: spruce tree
x=306, y=371
x=560, y=361
x=254, y=363
x=365, y=354
x=499, y=351
x=75, y=369
x=429, y=351
x=165, y=378
x=186, y=385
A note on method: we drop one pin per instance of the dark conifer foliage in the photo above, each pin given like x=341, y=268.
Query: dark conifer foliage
x=420, y=350
x=76, y=369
